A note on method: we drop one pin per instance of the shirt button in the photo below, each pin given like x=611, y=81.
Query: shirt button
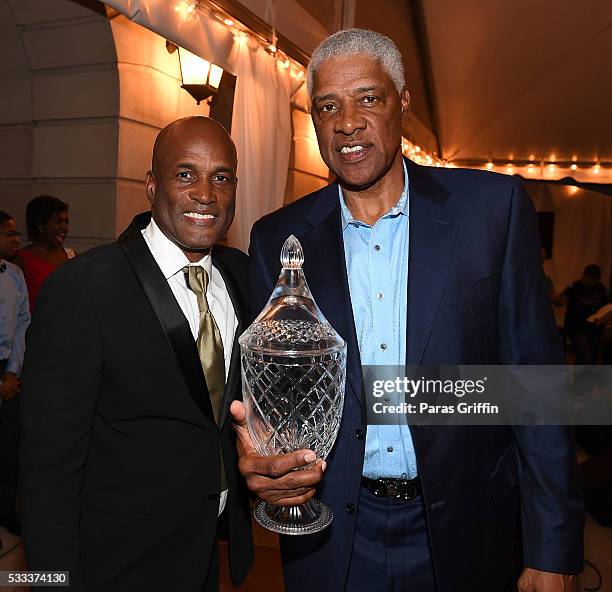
x=350, y=508
x=377, y=247
x=359, y=434
x=383, y=346
x=389, y=448
x=380, y=295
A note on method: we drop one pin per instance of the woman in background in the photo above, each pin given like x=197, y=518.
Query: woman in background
x=47, y=225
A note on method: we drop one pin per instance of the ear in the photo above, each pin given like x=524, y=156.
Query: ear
x=405, y=101
x=150, y=186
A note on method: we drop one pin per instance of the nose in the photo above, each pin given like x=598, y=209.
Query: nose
x=349, y=121
x=202, y=192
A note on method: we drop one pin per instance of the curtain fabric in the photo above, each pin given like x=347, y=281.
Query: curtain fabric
x=261, y=129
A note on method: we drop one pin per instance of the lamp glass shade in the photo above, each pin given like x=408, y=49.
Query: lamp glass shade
x=214, y=78
x=194, y=69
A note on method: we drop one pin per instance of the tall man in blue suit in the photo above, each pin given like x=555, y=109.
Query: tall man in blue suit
x=421, y=266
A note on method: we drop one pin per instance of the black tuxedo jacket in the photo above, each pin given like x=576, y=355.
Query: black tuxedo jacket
x=120, y=457
x=476, y=295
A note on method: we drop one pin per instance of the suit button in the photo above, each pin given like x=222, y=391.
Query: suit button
x=359, y=434
x=350, y=508
x=214, y=496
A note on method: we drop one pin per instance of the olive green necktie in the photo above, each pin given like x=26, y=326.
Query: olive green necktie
x=210, y=346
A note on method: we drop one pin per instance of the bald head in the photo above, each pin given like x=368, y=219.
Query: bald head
x=192, y=184
x=208, y=130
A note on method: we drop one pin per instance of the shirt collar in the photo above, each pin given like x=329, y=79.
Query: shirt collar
x=168, y=255
x=401, y=207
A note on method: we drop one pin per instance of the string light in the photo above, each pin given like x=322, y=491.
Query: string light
x=574, y=167
x=489, y=165
x=228, y=22
x=596, y=168
x=419, y=155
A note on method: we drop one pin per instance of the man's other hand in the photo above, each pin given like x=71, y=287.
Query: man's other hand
x=10, y=386
x=274, y=478
x=533, y=580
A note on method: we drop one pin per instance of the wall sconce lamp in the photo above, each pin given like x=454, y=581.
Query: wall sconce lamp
x=200, y=78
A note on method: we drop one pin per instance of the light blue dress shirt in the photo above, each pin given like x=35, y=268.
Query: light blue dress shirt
x=14, y=316
x=377, y=265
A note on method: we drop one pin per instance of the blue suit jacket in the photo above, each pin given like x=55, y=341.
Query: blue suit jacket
x=476, y=295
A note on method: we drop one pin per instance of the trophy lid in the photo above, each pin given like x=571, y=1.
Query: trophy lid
x=291, y=323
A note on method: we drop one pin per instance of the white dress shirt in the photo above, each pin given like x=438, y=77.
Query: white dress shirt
x=171, y=261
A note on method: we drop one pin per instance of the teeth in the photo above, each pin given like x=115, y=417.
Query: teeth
x=347, y=149
x=199, y=216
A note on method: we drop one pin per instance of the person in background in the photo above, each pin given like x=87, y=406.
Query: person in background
x=557, y=300
x=585, y=297
x=14, y=319
x=47, y=224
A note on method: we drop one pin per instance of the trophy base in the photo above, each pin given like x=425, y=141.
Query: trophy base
x=313, y=516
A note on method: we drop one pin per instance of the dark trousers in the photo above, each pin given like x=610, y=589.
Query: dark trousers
x=9, y=445
x=391, y=548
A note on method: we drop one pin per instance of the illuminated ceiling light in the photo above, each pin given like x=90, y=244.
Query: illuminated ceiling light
x=228, y=22
x=489, y=165
x=574, y=167
x=186, y=8
x=200, y=78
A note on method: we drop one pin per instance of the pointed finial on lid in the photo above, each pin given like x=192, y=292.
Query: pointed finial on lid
x=292, y=255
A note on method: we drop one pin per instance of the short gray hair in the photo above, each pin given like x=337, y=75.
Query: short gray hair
x=359, y=42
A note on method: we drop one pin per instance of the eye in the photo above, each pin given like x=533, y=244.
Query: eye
x=221, y=179
x=327, y=108
x=185, y=175
x=369, y=100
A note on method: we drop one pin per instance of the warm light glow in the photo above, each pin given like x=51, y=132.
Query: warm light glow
x=417, y=148
x=214, y=78
x=572, y=189
x=241, y=36
x=286, y=64
x=193, y=68
x=509, y=168
x=272, y=48
x=553, y=157
x=489, y=165
x=574, y=167
x=574, y=158
x=551, y=168
x=186, y=8
x=532, y=157
x=228, y=22
x=596, y=169
x=530, y=169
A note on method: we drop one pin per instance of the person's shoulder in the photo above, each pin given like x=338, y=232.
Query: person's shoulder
x=89, y=267
x=15, y=272
x=231, y=256
x=474, y=179
x=295, y=210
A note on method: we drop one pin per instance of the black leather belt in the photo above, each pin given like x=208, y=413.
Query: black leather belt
x=401, y=489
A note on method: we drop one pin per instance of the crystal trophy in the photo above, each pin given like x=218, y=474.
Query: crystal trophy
x=293, y=374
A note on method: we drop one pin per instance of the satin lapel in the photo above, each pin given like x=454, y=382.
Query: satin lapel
x=325, y=271
x=233, y=377
x=168, y=312
x=432, y=235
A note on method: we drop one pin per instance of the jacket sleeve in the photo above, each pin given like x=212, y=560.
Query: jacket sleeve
x=552, y=505
x=61, y=379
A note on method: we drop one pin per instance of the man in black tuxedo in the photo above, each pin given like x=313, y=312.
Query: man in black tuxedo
x=128, y=462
